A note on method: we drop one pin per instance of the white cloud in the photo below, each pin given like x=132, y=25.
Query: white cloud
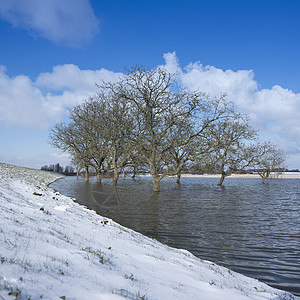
x=171, y=63
x=73, y=84
x=215, y=81
x=23, y=104
x=70, y=77
x=39, y=104
x=71, y=22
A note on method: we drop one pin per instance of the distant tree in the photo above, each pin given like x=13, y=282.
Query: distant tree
x=45, y=168
x=229, y=141
x=70, y=138
x=68, y=171
x=270, y=159
x=78, y=164
x=136, y=165
x=58, y=168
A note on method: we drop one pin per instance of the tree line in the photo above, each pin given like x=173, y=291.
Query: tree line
x=68, y=170
x=146, y=120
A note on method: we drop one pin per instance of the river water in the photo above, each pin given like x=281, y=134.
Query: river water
x=249, y=227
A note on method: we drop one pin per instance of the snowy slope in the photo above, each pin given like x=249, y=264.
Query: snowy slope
x=53, y=248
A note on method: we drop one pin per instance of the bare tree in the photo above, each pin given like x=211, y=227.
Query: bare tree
x=99, y=130
x=119, y=126
x=188, y=146
x=90, y=116
x=136, y=164
x=229, y=141
x=270, y=159
x=83, y=136
x=78, y=165
x=69, y=138
x=157, y=104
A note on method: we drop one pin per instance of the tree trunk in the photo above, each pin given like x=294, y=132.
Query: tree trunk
x=99, y=177
x=87, y=175
x=98, y=169
x=115, y=177
x=223, y=175
x=154, y=173
x=134, y=172
x=155, y=181
x=178, y=178
x=77, y=174
x=264, y=176
x=116, y=170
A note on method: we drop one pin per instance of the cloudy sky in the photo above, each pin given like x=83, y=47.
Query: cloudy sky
x=53, y=52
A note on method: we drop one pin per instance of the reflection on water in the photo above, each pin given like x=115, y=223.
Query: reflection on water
x=249, y=227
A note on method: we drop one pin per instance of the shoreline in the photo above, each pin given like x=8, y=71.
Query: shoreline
x=53, y=247
x=273, y=176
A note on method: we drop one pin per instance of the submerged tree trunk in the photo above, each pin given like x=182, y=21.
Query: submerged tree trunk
x=87, y=175
x=154, y=174
x=178, y=177
x=115, y=177
x=264, y=176
x=99, y=177
x=155, y=181
x=98, y=166
x=179, y=164
x=116, y=169
x=134, y=172
x=223, y=175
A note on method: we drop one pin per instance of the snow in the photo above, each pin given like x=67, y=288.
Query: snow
x=53, y=248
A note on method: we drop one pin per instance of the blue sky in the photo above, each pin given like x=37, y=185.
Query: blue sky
x=52, y=52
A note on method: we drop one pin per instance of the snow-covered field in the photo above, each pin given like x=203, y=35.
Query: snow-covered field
x=53, y=248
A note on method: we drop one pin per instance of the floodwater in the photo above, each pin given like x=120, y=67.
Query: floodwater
x=249, y=227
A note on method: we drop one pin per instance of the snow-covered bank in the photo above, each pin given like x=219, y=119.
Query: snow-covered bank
x=51, y=247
